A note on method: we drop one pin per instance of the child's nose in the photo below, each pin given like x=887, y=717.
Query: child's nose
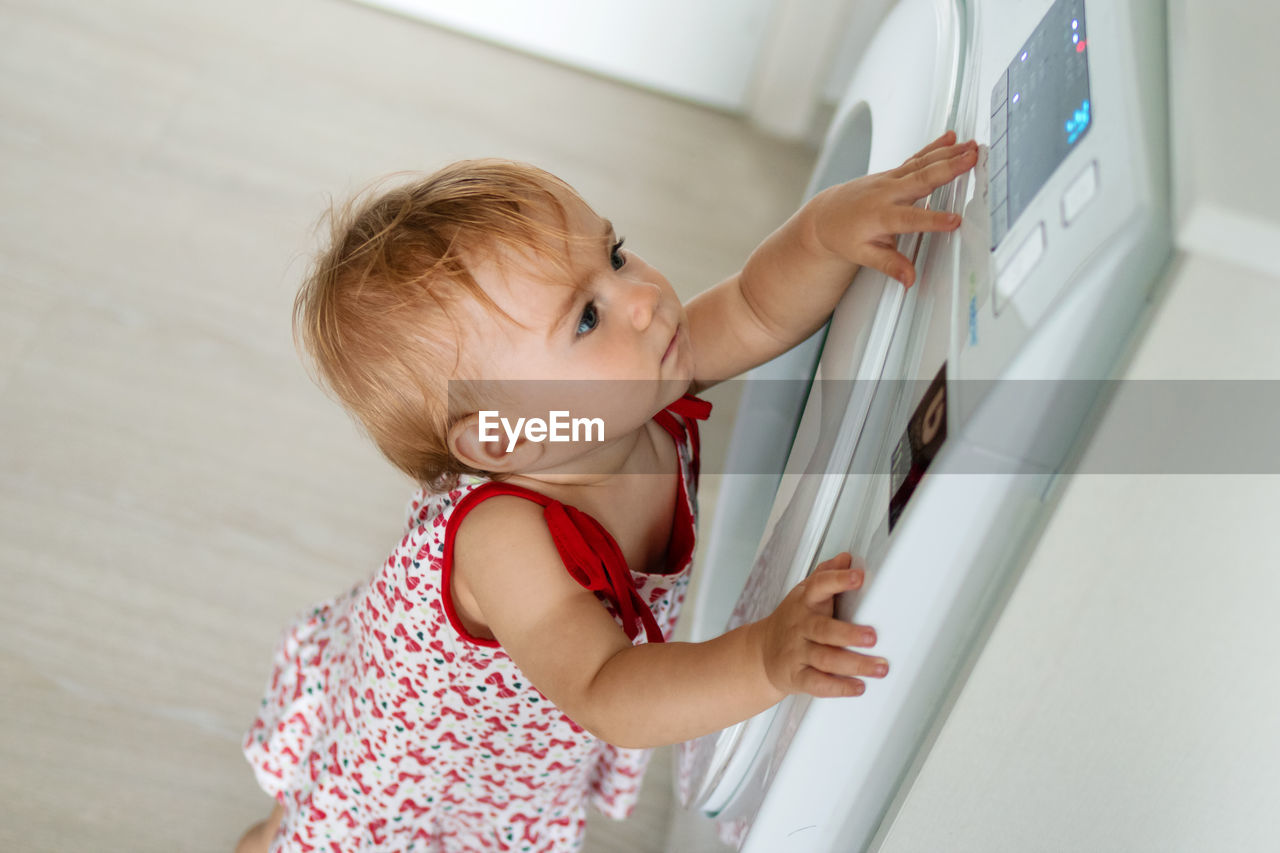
x=644, y=304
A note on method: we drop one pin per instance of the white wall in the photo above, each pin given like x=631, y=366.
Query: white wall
x=704, y=51
x=773, y=60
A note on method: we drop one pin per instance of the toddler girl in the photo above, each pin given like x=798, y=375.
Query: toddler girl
x=510, y=661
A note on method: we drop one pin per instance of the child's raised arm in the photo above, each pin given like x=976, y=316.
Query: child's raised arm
x=658, y=693
x=793, y=280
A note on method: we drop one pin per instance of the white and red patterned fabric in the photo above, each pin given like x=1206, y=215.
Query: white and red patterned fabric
x=386, y=727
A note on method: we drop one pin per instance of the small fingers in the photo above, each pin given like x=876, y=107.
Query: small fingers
x=942, y=141
x=891, y=262
x=940, y=149
x=831, y=631
x=826, y=686
x=839, y=561
x=903, y=219
x=836, y=661
x=926, y=179
x=826, y=583
x=939, y=155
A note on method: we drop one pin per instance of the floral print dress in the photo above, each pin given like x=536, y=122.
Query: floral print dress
x=387, y=727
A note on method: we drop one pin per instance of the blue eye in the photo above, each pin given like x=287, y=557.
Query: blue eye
x=589, y=320
x=616, y=260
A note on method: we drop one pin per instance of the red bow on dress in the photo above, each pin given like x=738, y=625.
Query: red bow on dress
x=595, y=561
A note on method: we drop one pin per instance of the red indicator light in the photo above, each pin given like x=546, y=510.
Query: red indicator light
x=1080, y=47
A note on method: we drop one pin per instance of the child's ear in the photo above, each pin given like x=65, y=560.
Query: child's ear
x=491, y=455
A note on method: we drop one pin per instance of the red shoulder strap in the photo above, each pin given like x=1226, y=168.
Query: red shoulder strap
x=590, y=554
x=692, y=409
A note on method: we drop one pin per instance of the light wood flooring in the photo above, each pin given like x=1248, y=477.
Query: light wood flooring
x=173, y=489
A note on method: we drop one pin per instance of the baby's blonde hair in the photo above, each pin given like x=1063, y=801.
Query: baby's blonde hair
x=373, y=313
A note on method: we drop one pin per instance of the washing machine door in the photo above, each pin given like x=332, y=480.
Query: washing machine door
x=903, y=94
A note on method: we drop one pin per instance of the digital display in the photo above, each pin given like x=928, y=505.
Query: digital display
x=1040, y=110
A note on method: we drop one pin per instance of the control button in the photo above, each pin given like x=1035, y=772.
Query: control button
x=999, y=188
x=1020, y=264
x=1000, y=93
x=1080, y=193
x=999, y=123
x=999, y=154
x=999, y=224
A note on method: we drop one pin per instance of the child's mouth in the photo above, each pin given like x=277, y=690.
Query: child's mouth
x=671, y=347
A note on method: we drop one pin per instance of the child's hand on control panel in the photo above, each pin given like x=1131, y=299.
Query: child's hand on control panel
x=859, y=221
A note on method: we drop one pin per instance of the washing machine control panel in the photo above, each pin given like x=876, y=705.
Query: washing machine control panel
x=1040, y=110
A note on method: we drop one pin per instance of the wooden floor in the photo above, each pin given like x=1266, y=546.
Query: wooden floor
x=172, y=486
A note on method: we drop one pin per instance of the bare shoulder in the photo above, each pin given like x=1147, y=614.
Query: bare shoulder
x=502, y=550
x=497, y=522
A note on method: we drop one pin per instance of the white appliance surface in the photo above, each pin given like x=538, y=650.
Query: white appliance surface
x=1049, y=293
x=871, y=132
x=1125, y=700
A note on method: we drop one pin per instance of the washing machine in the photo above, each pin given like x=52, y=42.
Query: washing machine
x=928, y=430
